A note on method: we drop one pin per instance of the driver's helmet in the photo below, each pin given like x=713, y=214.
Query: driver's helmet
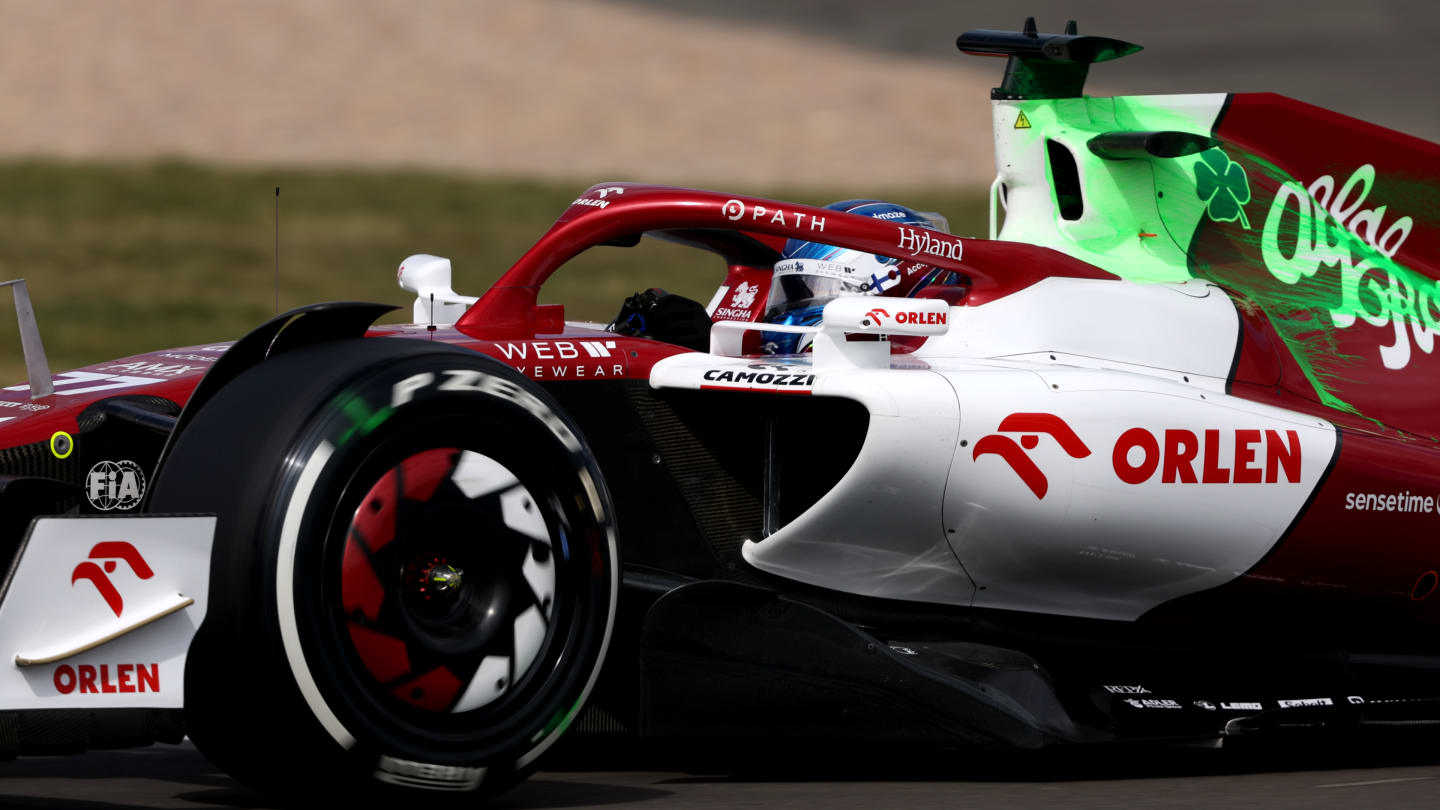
x=810, y=274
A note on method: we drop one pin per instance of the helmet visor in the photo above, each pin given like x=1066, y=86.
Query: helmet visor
x=805, y=283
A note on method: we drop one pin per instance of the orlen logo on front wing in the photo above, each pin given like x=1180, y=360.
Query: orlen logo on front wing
x=1029, y=425
x=100, y=577
x=90, y=679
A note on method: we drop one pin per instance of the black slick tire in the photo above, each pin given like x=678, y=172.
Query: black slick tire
x=289, y=456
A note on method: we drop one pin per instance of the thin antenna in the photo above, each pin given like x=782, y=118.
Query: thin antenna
x=277, y=250
x=431, y=327
x=36, y=369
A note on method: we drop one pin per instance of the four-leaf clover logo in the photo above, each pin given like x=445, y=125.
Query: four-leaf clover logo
x=1221, y=183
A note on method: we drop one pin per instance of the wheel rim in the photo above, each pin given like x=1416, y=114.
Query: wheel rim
x=448, y=583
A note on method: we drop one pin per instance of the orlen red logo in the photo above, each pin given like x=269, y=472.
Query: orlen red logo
x=108, y=553
x=90, y=679
x=878, y=315
x=1029, y=425
x=1139, y=455
x=920, y=317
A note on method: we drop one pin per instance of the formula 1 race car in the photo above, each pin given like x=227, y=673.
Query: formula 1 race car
x=1156, y=461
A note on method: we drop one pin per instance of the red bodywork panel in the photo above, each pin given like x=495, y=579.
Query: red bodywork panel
x=576, y=353
x=171, y=374
x=1338, y=306
x=1340, y=296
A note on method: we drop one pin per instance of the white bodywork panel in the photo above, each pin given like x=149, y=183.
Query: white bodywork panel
x=1091, y=544
x=878, y=532
x=933, y=510
x=1179, y=330
x=102, y=610
x=429, y=278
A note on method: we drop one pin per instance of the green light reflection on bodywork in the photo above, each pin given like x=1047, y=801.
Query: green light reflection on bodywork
x=1286, y=257
x=1322, y=277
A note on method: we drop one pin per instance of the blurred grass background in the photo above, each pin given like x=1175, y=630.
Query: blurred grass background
x=122, y=258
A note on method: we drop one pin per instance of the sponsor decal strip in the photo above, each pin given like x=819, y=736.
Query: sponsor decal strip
x=555, y=349
x=515, y=352
x=742, y=301
x=195, y=358
x=429, y=776
x=741, y=388
x=924, y=240
x=879, y=315
x=734, y=210
x=1127, y=690
x=164, y=369
x=108, y=382
x=1290, y=704
x=1335, y=232
x=1153, y=703
x=1139, y=455
x=772, y=382
x=1282, y=454
x=89, y=679
x=1406, y=501
x=596, y=203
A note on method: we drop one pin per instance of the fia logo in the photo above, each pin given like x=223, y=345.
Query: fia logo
x=108, y=553
x=115, y=485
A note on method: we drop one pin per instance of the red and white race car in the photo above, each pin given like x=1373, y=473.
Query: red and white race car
x=1157, y=460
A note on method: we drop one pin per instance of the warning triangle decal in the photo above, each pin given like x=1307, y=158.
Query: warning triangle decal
x=1022, y=122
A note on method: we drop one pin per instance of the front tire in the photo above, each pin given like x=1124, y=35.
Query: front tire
x=414, y=576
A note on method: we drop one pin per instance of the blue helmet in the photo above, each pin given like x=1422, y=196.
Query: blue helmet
x=811, y=274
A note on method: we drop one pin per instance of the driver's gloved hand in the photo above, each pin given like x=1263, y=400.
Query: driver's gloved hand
x=658, y=315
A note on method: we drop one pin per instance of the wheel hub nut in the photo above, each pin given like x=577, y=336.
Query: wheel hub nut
x=445, y=578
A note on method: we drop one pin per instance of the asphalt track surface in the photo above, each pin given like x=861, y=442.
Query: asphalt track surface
x=1315, y=776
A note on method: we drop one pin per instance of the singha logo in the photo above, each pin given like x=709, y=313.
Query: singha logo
x=1029, y=425
x=744, y=296
x=100, y=577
